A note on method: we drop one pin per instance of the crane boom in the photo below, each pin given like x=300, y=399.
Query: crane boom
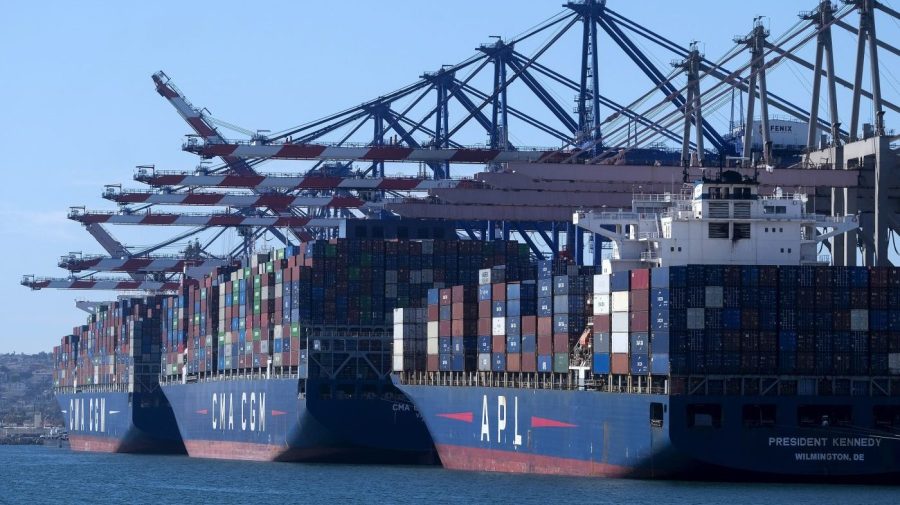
x=170, y=264
x=37, y=283
x=196, y=119
x=289, y=151
x=269, y=200
x=214, y=219
x=264, y=182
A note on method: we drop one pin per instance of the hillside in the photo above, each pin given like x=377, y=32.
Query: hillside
x=26, y=387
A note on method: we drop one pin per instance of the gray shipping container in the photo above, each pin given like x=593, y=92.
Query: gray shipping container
x=714, y=297
x=696, y=319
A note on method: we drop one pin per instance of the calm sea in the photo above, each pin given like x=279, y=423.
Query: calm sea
x=31, y=475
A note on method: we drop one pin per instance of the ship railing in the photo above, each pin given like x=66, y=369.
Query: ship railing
x=647, y=235
x=654, y=197
x=819, y=218
x=649, y=256
x=786, y=197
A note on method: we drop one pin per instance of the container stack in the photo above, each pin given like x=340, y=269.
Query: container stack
x=570, y=316
x=445, y=328
x=602, y=319
x=65, y=359
x=545, y=318
x=619, y=285
x=202, y=329
x=410, y=330
x=639, y=322
x=485, y=323
x=463, y=328
x=767, y=320
x=521, y=309
x=119, y=348
x=174, y=323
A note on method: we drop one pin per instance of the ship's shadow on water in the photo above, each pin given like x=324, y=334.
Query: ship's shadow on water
x=44, y=474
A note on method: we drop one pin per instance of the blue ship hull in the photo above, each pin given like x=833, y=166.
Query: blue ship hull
x=116, y=421
x=590, y=433
x=274, y=420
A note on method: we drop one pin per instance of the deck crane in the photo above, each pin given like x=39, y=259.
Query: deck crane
x=202, y=125
x=271, y=200
x=76, y=262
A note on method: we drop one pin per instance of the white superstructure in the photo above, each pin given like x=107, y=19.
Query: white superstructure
x=714, y=221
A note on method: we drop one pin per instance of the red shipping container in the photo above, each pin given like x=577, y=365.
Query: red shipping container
x=457, y=328
x=498, y=292
x=485, y=309
x=529, y=325
x=464, y=293
x=619, y=363
x=484, y=326
x=498, y=343
x=545, y=326
x=603, y=323
x=640, y=278
x=446, y=296
x=457, y=310
x=434, y=312
x=431, y=362
x=561, y=342
x=529, y=362
x=639, y=301
x=514, y=362
x=639, y=322
x=445, y=329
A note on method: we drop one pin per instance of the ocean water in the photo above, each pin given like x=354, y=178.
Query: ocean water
x=34, y=475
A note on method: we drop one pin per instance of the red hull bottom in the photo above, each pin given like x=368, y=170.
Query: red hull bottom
x=487, y=460
x=85, y=443
x=245, y=451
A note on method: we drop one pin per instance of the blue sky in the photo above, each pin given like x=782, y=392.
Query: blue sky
x=80, y=110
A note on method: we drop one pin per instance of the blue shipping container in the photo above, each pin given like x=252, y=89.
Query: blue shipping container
x=601, y=363
x=545, y=363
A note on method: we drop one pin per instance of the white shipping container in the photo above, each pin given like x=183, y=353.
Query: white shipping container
x=620, y=301
x=619, y=342
x=620, y=322
x=432, y=332
x=715, y=297
x=601, y=284
x=601, y=304
x=859, y=320
x=431, y=345
x=398, y=363
x=398, y=331
x=484, y=276
x=498, y=326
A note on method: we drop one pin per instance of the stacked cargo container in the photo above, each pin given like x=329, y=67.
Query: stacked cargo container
x=117, y=350
x=602, y=325
x=619, y=285
x=571, y=294
x=410, y=331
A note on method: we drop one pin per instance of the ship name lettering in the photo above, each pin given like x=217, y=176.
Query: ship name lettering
x=252, y=411
x=797, y=441
x=502, y=420
x=856, y=442
x=95, y=411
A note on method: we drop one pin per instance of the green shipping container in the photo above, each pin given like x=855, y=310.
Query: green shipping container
x=561, y=362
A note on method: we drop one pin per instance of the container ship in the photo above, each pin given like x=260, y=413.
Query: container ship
x=713, y=344
x=106, y=380
x=288, y=357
